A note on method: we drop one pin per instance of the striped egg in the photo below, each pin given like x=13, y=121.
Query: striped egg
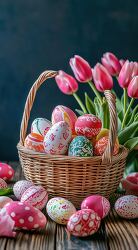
x=20, y=187
x=40, y=126
x=34, y=142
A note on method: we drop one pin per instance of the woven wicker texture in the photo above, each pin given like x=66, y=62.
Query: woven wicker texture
x=72, y=177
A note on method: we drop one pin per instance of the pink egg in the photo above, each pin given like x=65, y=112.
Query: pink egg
x=25, y=216
x=3, y=184
x=97, y=203
x=84, y=223
x=88, y=125
x=62, y=113
x=4, y=200
x=20, y=187
x=36, y=196
x=6, y=171
x=127, y=206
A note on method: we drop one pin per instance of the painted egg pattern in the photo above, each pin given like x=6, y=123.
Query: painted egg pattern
x=62, y=113
x=3, y=184
x=127, y=206
x=36, y=196
x=20, y=187
x=34, y=142
x=80, y=146
x=97, y=203
x=101, y=145
x=40, y=126
x=60, y=210
x=83, y=223
x=57, y=138
x=88, y=125
x=6, y=171
x=4, y=200
x=25, y=216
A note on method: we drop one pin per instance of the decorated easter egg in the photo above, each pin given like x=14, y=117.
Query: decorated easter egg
x=84, y=223
x=127, y=206
x=88, y=125
x=20, y=187
x=34, y=142
x=100, y=146
x=130, y=183
x=40, y=126
x=62, y=113
x=97, y=203
x=6, y=171
x=3, y=184
x=80, y=146
x=60, y=210
x=4, y=200
x=57, y=138
x=25, y=216
x=36, y=196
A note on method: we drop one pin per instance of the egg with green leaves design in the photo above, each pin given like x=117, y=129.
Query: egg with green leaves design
x=81, y=147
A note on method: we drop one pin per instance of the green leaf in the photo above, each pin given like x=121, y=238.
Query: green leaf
x=133, y=115
x=136, y=118
x=127, y=133
x=89, y=105
x=131, y=143
x=80, y=112
x=6, y=191
x=119, y=124
x=121, y=115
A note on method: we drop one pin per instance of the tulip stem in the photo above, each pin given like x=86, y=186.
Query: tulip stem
x=91, y=84
x=125, y=100
x=127, y=111
x=80, y=103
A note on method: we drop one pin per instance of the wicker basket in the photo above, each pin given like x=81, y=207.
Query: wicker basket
x=72, y=177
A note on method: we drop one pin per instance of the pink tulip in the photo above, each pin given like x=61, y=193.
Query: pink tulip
x=133, y=88
x=122, y=61
x=102, y=78
x=111, y=63
x=81, y=69
x=128, y=71
x=66, y=83
x=130, y=184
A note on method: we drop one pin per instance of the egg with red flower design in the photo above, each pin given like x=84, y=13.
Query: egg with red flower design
x=83, y=223
x=127, y=206
x=20, y=187
x=6, y=171
x=88, y=125
x=57, y=139
x=101, y=144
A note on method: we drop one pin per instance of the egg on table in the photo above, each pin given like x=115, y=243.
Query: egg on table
x=62, y=113
x=25, y=216
x=97, y=203
x=34, y=142
x=83, y=223
x=36, y=196
x=127, y=206
x=101, y=144
x=20, y=187
x=40, y=126
x=4, y=200
x=6, y=171
x=88, y=125
x=57, y=138
x=60, y=210
x=80, y=146
x=3, y=184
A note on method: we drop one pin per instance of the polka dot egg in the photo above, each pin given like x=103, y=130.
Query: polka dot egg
x=40, y=126
x=60, y=210
x=25, y=216
x=80, y=146
x=97, y=203
x=127, y=206
x=6, y=171
x=84, y=223
x=20, y=187
x=88, y=125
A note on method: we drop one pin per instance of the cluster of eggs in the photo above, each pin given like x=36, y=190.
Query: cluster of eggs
x=67, y=134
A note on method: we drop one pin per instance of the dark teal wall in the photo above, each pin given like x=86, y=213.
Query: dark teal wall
x=43, y=34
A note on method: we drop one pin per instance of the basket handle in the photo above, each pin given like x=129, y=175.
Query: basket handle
x=111, y=99
x=30, y=100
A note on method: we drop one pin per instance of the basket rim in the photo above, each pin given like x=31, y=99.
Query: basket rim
x=123, y=152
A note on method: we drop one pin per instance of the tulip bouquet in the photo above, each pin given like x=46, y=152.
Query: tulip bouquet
x=103, y=76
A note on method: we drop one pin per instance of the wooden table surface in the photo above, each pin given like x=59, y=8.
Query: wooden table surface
x=115, y=233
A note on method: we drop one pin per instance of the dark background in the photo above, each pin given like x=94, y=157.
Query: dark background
x=43, y=34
